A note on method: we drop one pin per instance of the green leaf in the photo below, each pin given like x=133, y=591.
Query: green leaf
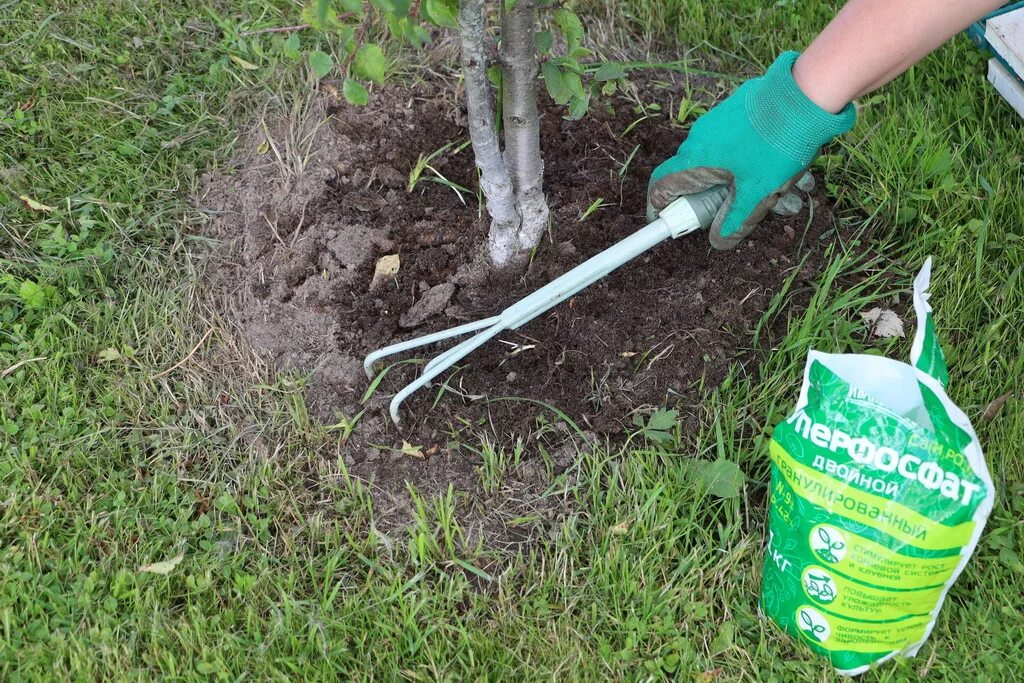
x=417, y=35
x=1011, y=560
x=321, y=16
x=663, y=419
x=575, y=85
x=346, y=37
x=353, y=6
x=721, y=478
x=609, y=71
x=408, y=29
x=569, y=64
x=554, y=81
x=542, y=40
x=578, y=106
x=323, y=9
x=355, y=93
x=441, y=12
x=657, y=435
x=401, y=7
x=905, y=214
x=292, y=48
x=580, y=53
x=321, y=63
x=725, y=638
x=938, y=164
x=370, y=63
x=384, y=5
x=570, y=26
x=32, y=294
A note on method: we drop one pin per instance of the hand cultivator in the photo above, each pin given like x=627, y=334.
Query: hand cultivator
x=685, y=215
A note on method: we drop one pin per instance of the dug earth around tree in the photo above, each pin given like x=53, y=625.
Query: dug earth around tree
x=300, y=229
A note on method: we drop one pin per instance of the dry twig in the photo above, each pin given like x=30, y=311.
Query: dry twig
x=186, y=358
x=274, y=29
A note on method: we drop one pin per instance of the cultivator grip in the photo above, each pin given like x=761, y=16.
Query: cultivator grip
x=683, y=216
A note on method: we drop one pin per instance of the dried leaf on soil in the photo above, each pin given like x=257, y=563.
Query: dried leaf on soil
x=386, y=268
x=620, y=529
x=884, y=323
x=414, y=451
x=993, y=408
x=248, y=66
x=165, y=567
x=33, y=205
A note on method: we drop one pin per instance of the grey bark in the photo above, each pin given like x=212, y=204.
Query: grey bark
x=495, y=181
x=521, y=123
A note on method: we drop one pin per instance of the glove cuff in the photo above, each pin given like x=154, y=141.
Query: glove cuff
x=787, y=119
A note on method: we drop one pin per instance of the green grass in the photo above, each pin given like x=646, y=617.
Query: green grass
x=106, y=465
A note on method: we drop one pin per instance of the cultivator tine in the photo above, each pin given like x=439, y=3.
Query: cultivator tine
x=417, y=342
x=443, y=362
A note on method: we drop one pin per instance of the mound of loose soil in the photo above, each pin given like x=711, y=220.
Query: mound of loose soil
x=305, y=215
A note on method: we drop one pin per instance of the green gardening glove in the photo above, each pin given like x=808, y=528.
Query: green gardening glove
x=758, y=142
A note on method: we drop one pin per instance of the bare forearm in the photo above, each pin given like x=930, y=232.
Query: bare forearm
x=871, y=42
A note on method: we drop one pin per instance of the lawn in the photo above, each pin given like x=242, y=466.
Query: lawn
x=134, y=429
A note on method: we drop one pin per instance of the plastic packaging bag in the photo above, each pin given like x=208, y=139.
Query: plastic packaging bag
x=879, y=492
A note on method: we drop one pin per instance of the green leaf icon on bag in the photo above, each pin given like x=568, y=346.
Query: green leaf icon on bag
x=831, y=546
x=813, y=624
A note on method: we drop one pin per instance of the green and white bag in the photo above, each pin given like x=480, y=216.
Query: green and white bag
x=879, y=492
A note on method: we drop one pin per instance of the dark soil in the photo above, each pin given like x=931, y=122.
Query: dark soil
x=298, y=254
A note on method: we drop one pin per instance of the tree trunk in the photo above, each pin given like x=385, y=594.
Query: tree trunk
x=521, y=123
x=503, y=239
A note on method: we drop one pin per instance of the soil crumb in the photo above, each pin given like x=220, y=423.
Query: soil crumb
x=301, y=231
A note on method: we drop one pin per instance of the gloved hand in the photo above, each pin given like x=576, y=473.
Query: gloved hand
x=758, y=141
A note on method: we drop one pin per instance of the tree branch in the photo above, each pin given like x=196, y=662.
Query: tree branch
x=495, y=180
x=522, y=124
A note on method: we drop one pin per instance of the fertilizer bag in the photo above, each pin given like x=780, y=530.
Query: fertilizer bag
x=879, y=492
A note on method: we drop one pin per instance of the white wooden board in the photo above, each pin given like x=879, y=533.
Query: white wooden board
x=1007, y=84
x=1005, y=33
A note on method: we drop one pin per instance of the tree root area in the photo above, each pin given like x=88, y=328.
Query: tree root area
x=303, y=215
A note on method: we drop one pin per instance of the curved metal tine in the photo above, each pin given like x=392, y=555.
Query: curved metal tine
x=424, y=340
x=452, y=356
x=546, y=305
x=443, y=357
